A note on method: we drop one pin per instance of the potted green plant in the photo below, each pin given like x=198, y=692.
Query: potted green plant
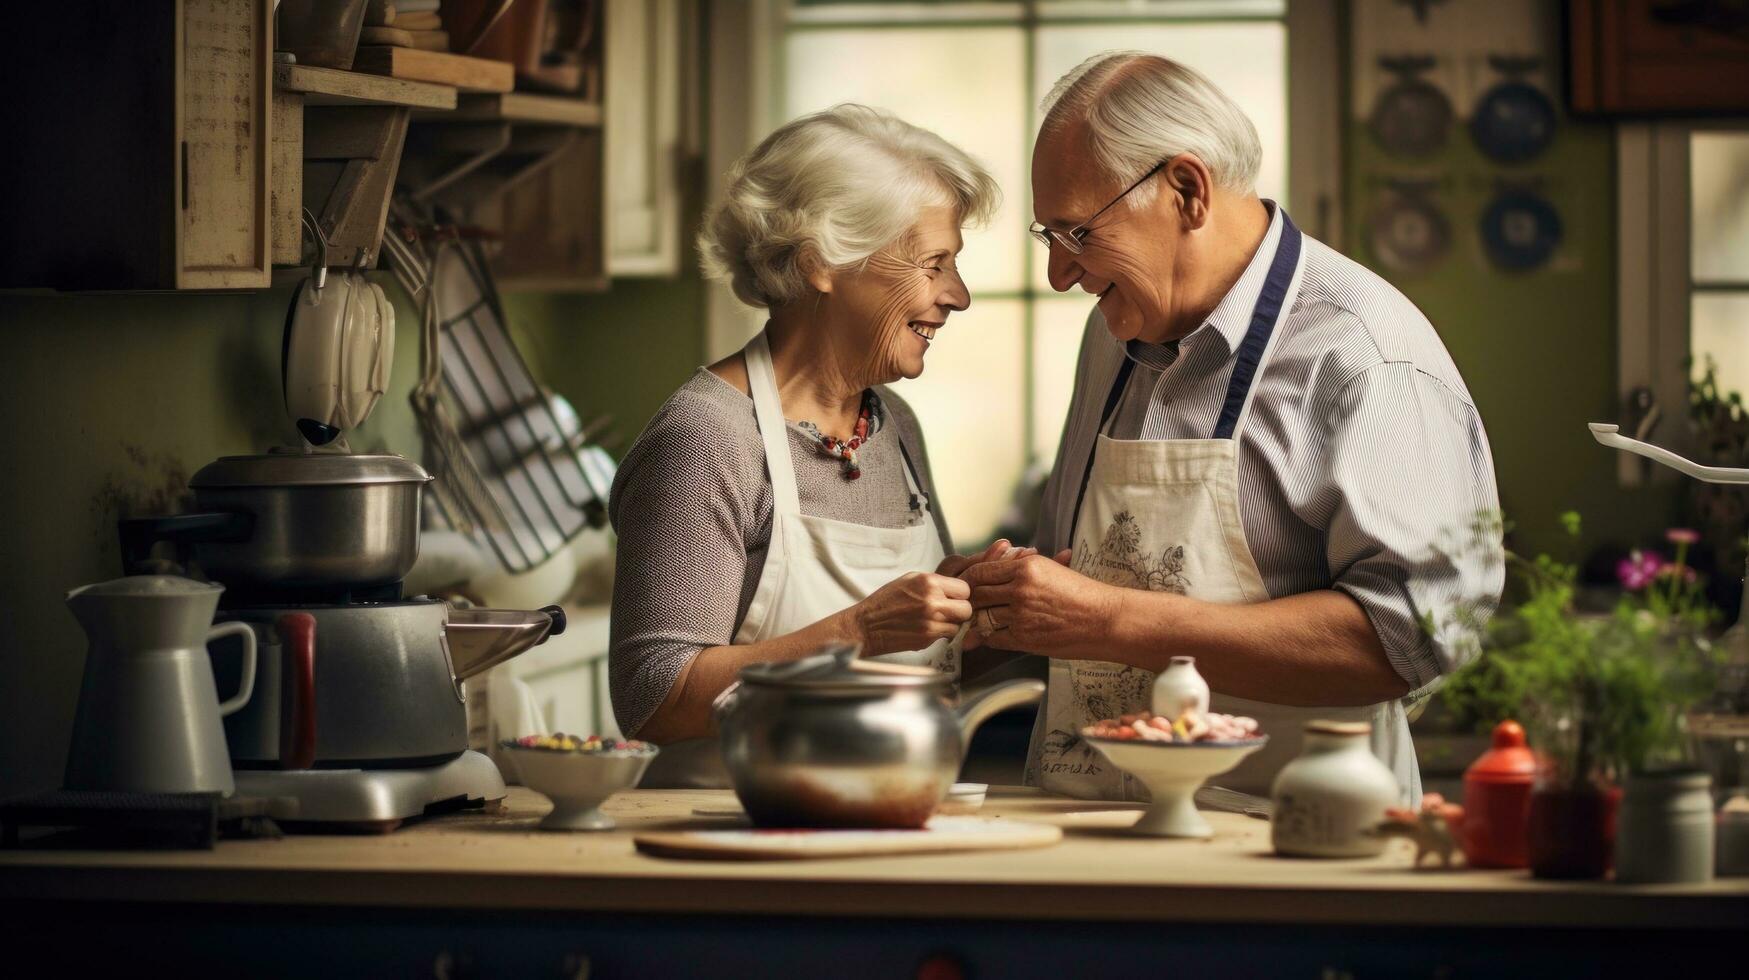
x=1603, y=692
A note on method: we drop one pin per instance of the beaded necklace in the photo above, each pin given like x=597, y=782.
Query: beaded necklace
x=868, y=422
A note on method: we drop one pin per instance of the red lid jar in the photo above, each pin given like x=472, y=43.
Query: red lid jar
x=1497, y=801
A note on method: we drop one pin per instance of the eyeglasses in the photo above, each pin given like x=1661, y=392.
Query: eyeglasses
x=1072, y=239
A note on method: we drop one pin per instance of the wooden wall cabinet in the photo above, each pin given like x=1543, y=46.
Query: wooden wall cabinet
x=1647, y=57
x=140, y=148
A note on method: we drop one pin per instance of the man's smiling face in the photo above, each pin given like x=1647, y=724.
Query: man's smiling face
x=1129, y=256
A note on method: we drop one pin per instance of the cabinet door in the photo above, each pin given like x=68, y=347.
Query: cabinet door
x=643, y=120
x=224, y=120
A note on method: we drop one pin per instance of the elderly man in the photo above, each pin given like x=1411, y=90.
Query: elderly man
x=1264, y=443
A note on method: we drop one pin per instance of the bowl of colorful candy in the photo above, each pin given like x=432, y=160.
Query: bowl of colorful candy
x=578, y=773
x=1172, y=757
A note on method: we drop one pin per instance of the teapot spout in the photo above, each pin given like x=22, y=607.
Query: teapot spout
x=975, y=710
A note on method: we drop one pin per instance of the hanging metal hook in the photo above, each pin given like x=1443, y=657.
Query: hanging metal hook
x=319, y=271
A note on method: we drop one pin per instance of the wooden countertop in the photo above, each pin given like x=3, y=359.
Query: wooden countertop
x=482, y=861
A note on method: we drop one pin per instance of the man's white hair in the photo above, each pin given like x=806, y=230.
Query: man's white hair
x=1140, y=109
x=830, y=190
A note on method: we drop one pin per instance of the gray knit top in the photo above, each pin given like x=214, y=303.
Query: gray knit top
x=692, y=507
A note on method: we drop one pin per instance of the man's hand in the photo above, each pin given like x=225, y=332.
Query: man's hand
x=1041, y=606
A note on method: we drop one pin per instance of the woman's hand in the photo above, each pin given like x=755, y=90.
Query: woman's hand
x=911, y=612
x=1000, y=550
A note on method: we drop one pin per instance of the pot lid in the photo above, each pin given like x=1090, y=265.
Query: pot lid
x=840, y=668
x=1509, y=761
x=1351, y=728
x=291, y=468
x=148, y=585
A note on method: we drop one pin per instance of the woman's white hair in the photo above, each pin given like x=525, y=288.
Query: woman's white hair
x=1140, y=109
x=829, y=190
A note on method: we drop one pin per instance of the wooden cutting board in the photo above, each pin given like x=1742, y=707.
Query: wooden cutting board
x=442, y=67
x=942, y=834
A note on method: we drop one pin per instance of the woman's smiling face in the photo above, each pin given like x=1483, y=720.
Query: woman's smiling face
x=899, y=299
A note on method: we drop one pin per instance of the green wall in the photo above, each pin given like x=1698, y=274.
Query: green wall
x=113, y=401
x=1538, y=349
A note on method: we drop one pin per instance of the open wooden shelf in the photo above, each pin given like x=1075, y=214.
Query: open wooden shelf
x=328, y=86
x=523, y=107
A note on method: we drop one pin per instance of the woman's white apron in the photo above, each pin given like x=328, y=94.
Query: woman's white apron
x=814, y=567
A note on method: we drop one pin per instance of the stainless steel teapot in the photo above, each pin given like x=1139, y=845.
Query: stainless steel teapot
x=838, y=741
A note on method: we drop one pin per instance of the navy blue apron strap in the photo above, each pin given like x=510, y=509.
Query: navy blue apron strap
x=920, y=499
x=1263, y=319
x=1111, y=401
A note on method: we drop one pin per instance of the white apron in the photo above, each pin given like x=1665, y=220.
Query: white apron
x=814, y=567
x=1163, y=515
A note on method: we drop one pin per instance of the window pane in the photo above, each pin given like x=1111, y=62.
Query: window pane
x=1719, y=329
x=970, y=403
x=966, y=84
x=1248, y=60
x=1057, y=326
x=1719, y=169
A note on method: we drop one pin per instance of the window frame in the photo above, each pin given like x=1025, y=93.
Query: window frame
x=1655, y=282
x=746, y=73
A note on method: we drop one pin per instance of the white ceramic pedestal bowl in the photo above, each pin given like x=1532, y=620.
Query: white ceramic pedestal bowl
x=579, y=782
x=1173, y=771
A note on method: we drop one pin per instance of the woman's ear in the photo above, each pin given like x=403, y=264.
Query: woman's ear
x=816, y=273
x=1193, y=186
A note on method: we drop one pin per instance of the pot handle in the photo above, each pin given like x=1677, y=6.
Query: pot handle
x=557, y=615
x=981, y=706
x=297, y=690
x=246, y=685
x=139, y=534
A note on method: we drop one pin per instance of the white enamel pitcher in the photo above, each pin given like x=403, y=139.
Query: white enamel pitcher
x=148, y=718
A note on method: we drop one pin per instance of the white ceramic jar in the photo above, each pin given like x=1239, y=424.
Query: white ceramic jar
x=1664, y=833
x=1328, y=798
x=1178, y=687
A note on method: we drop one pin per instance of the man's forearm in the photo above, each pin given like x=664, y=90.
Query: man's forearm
x=1316, y=648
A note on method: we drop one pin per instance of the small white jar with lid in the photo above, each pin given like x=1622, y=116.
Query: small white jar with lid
x=1327, y=799
x=1180, y=687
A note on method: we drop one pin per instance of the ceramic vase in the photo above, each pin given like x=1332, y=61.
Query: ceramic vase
x=1731, y=838
x=1664, y=834
x=1571, y=829
x=1328, y=799
x=1180, y=687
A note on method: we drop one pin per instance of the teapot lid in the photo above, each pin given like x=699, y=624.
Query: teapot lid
x=1508, y=761
x=840, y=667
x=148, y=585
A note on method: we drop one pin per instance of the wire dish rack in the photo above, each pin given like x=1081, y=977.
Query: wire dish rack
x=516, y=467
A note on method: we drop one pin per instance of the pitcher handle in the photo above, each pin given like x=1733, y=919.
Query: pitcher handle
x=245, y=686
x=297, y=689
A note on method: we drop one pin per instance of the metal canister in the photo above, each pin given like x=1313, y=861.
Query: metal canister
x=1665, y=831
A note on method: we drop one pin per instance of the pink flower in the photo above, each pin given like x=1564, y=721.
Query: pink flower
x=1638, y=570
x=1682, y=535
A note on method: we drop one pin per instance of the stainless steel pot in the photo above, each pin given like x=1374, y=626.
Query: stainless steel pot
x=835, y=741
x=294, y=520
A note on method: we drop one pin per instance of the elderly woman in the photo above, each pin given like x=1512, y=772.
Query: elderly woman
x=781, y=499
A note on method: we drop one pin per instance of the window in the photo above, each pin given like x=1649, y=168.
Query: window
x=997, y=387
x=1684, y=272
x=1718, y=209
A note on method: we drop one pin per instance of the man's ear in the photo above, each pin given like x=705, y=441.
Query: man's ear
x=1194, y=186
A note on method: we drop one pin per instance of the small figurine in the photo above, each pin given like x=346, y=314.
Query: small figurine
x=1433, y=828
